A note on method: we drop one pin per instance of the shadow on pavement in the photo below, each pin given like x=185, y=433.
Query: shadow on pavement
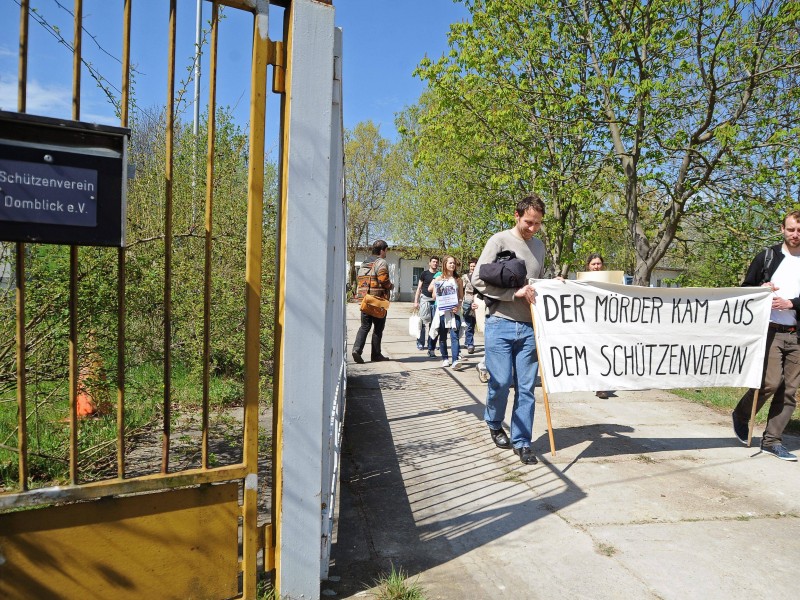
x=421, y=483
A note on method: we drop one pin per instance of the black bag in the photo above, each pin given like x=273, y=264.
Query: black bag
x=507, y=271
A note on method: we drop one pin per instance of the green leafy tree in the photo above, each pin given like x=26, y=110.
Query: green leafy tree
x=436, y=204
x=369, y=176
x=501, y=106
x=685, y=97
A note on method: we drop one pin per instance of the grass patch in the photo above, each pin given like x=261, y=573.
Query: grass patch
x=395, y=586
x=48, y=412
x=725, y=399
x=606, y=549
x=265, y=591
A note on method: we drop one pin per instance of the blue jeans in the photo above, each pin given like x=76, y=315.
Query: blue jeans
x=511, y=356
x=453, y=338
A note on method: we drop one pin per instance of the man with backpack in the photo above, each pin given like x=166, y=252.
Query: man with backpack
x=777, y=267
x=374, y=281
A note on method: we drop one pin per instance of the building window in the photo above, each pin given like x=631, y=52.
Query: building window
x=415, y=277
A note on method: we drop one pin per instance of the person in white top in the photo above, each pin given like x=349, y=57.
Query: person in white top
x=777, y=267
x=448, y=292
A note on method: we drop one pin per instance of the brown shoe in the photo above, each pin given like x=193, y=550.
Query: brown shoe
x=603, y=395
x=380, y=358
x=357, y=358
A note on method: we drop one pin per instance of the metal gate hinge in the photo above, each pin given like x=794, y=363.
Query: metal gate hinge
x=276, y=56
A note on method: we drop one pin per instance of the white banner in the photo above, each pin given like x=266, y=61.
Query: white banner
x=602, y=336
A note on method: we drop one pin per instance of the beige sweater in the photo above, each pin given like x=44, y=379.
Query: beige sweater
x=532, y=252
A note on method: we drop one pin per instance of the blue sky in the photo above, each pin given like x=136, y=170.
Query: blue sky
x=384, y=40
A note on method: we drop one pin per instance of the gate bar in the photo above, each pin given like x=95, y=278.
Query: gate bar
x=252, y=347
x=73, y=264
x=106, y=488
x=22, y=411
x=211, y=133
x=168, y=240
x=121, y=281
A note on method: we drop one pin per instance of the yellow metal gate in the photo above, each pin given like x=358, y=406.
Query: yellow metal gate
x=161, y=527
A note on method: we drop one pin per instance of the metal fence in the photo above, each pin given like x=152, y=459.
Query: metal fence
x=191, y=528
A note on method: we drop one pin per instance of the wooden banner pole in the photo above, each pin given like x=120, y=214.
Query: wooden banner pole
x=752, y=418
x=544, y=387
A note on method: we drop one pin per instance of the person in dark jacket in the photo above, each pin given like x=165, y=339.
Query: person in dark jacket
x=777, y=267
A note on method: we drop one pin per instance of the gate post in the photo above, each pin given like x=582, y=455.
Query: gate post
x=305, y=258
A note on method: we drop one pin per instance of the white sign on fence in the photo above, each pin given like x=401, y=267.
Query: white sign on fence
x=602, y=336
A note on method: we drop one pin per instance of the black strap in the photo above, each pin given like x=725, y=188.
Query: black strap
x=769, y=254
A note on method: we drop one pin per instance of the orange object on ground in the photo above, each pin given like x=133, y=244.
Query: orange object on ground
x=84, y=401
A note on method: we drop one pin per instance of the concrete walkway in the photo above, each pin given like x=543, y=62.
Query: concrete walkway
x=648, y=496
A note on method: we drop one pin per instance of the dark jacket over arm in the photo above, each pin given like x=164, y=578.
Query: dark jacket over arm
x=756, y=276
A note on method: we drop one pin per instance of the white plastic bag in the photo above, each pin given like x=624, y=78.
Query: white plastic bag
x=414, y=326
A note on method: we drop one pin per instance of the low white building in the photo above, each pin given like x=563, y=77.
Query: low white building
x=405, y=272
x=662, y=276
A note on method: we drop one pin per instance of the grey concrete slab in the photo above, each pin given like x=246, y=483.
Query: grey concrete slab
x=710, y=559
x=648, y=495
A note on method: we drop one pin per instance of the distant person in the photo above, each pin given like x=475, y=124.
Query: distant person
x=510, y=345
x=469, y=306
x=595, y=262
x=777, y=267
x=379, y=286
x=423, y=295
x=448, y=293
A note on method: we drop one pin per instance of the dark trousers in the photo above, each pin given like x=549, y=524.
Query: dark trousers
x=377, y=326
x=780, y=382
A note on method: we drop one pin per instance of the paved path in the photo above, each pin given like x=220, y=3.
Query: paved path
x=649, y=495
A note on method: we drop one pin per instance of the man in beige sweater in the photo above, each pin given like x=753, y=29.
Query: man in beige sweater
x=508, y=333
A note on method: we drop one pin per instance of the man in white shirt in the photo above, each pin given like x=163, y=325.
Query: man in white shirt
x=777, y=267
